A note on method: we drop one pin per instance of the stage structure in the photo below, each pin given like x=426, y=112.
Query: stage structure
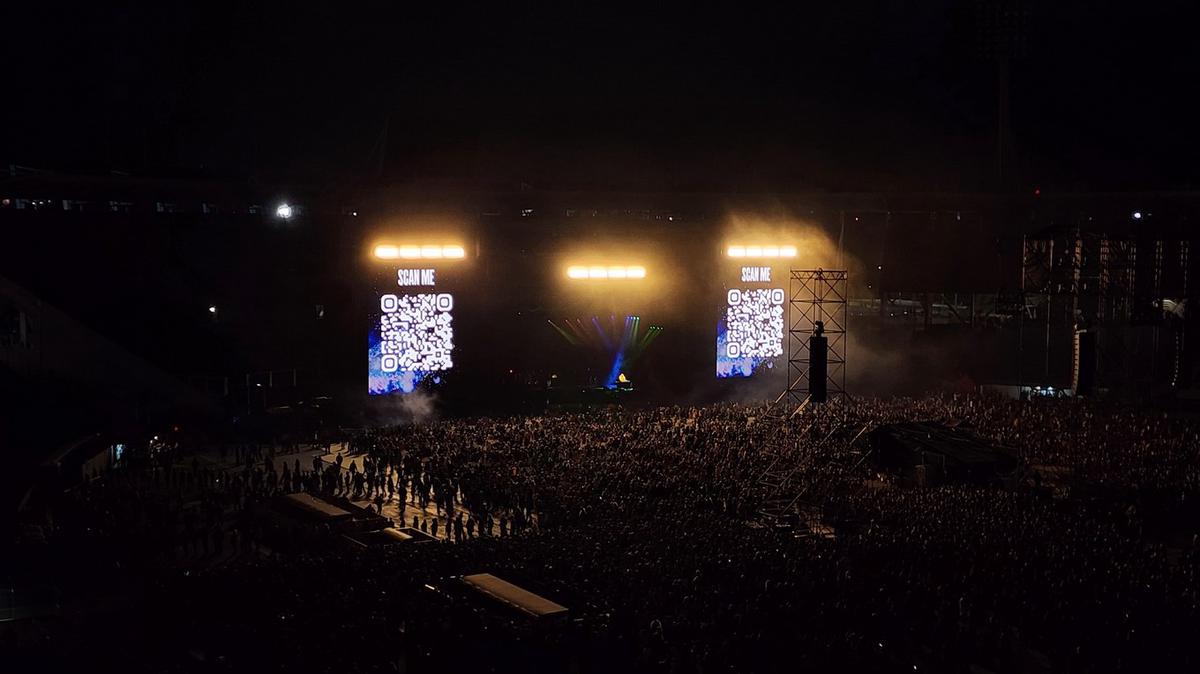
x=817, y=339
x=795, y=487
x=1115, y=304
x=620, y=346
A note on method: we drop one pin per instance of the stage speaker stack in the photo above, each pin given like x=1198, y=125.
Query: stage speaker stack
x=818, y=366
x=1083, y=378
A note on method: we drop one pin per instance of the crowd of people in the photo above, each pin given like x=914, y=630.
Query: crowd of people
x=644, y=523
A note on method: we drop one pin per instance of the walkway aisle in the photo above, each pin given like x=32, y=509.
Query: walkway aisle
x=395, y=509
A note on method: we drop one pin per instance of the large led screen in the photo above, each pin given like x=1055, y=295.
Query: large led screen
x=412, y=332
x=750, y=327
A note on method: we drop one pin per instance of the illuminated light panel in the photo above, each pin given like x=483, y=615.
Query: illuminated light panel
x=427, y=252
x=761, y=251
x=606, y=272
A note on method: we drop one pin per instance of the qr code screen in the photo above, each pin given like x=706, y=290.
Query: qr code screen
x=754, y=323
x=416, y=332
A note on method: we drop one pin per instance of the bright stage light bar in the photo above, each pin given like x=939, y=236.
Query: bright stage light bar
x=426, y=252
x=606, y=272
x=761, y=251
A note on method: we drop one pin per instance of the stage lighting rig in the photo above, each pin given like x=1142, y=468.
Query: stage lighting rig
x=386, y=251
x=760, y=251
x=605, y=272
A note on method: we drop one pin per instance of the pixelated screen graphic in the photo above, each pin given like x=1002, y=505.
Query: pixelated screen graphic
x=750, y=331
x=411, y=336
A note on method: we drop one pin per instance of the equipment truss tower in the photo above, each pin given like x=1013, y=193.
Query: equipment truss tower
x=816, y=296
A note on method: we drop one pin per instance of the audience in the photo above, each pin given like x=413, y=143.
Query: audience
x=644, y=524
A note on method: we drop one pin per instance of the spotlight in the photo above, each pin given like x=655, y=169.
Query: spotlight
x=212, y=309
x=1137, y=215
x=284, y=211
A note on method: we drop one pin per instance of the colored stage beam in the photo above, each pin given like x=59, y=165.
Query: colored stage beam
x=567, y=336
x=585, y=336
x=600, y=331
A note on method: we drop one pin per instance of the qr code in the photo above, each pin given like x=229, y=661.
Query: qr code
x=754, y=323
x=416, y=332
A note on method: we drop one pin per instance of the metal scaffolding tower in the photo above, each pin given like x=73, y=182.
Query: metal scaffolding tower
x=816, y=296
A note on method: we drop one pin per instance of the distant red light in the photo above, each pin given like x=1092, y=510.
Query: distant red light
x=1037, y=192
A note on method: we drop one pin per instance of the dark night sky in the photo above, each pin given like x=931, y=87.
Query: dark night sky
x=836, y=95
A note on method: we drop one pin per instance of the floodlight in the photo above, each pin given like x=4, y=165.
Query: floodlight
x=385, y=252
x=425, y=252
x=763, y=251
x=602, y=272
